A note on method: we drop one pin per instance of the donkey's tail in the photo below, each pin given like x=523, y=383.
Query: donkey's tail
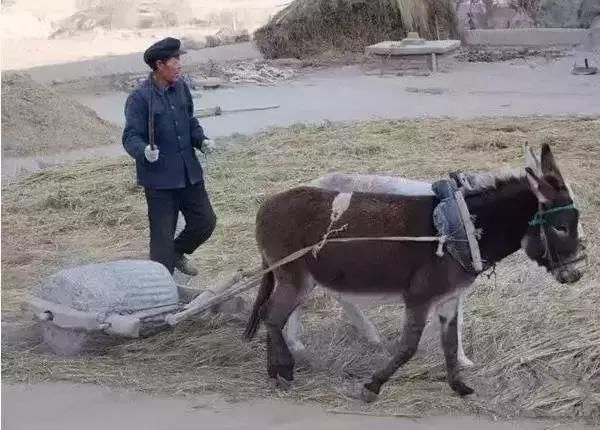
x=264, y=292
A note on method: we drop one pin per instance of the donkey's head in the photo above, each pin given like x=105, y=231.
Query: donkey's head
x=554, y=235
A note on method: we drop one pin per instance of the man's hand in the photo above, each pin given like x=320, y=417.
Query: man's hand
x=208, y=146
x=151, y=154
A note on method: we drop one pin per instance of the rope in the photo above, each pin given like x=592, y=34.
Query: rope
x=256, y=275
x=316, y=247
x=540, y=216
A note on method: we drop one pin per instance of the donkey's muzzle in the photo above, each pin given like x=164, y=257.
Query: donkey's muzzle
x=568, y=276
x=572, y=271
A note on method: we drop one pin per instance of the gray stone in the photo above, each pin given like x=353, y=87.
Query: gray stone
x=123, y=286
x=393, y=48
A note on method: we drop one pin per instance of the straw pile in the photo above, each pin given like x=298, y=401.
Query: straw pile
x=536, y=344
x=308, y=28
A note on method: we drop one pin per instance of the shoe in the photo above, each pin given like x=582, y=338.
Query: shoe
x=184, y=266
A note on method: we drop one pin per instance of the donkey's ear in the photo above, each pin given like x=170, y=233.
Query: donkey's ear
x=531, y=159
x=549, y=166
x=542, y=189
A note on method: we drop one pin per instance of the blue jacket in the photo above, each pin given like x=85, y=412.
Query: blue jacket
x=176, y=133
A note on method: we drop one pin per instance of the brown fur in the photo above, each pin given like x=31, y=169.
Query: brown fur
x=308, y=210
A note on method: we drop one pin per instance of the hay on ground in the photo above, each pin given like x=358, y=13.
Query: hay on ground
x=36, y=120
x=536, y=344
x=308, y=28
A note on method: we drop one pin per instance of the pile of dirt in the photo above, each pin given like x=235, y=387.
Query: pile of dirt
x=311, y=27
x=37, y=120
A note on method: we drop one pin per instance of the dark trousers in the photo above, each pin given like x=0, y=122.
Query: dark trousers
x=163, y=210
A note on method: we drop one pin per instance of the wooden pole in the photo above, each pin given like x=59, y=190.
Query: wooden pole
x=217, y=110
x=217, y=294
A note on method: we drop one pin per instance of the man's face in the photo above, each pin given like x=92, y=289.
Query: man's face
x=170, y=69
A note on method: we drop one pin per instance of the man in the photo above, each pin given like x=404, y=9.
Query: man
x=161, y=133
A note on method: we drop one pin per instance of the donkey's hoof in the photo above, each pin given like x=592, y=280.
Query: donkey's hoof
x=278, y=372
x=281, y=384
x=286, y=372
x=464, y=362
x=461, y=388
x=373, y=339
x=367, y=395
x=305, y=358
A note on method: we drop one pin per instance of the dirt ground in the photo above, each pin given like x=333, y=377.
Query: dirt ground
x=68, y=406
x=516, y=88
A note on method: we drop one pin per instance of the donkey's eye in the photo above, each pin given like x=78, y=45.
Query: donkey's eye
x=561, y=229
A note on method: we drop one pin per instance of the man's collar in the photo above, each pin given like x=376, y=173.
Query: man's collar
x=160, y=89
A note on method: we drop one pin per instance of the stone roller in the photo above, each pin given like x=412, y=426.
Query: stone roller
x=124, y=298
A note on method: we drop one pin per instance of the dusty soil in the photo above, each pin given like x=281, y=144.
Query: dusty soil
x=35, y=119
x=69, y=406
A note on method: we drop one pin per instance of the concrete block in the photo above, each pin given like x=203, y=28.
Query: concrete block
x=527, y=37
x=393, y=48
x=407, y=65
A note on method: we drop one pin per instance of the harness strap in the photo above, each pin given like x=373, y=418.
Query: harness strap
x=553, y=265
x=539, y=217
x=465, y=216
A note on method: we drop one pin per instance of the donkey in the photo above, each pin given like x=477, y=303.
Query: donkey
x=348, y=183
x=528, y=210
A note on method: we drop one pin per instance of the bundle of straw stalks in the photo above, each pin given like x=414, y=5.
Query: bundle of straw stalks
x=536, y=344
x=308, y=28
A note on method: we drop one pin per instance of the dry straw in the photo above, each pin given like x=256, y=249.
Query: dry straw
x=536, y=344
x=309, y=28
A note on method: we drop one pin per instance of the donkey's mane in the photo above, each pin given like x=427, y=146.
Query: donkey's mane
x=482, y=182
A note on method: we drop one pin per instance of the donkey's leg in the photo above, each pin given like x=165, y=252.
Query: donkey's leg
x=448, y=315
x=289, y=292
x=463, y=360
x=414, y=323
x=359, y=320
x=292, y=332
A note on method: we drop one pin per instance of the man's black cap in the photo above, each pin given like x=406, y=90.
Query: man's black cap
x=163, y=50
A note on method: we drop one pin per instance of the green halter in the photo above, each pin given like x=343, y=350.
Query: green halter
x=539, y=217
